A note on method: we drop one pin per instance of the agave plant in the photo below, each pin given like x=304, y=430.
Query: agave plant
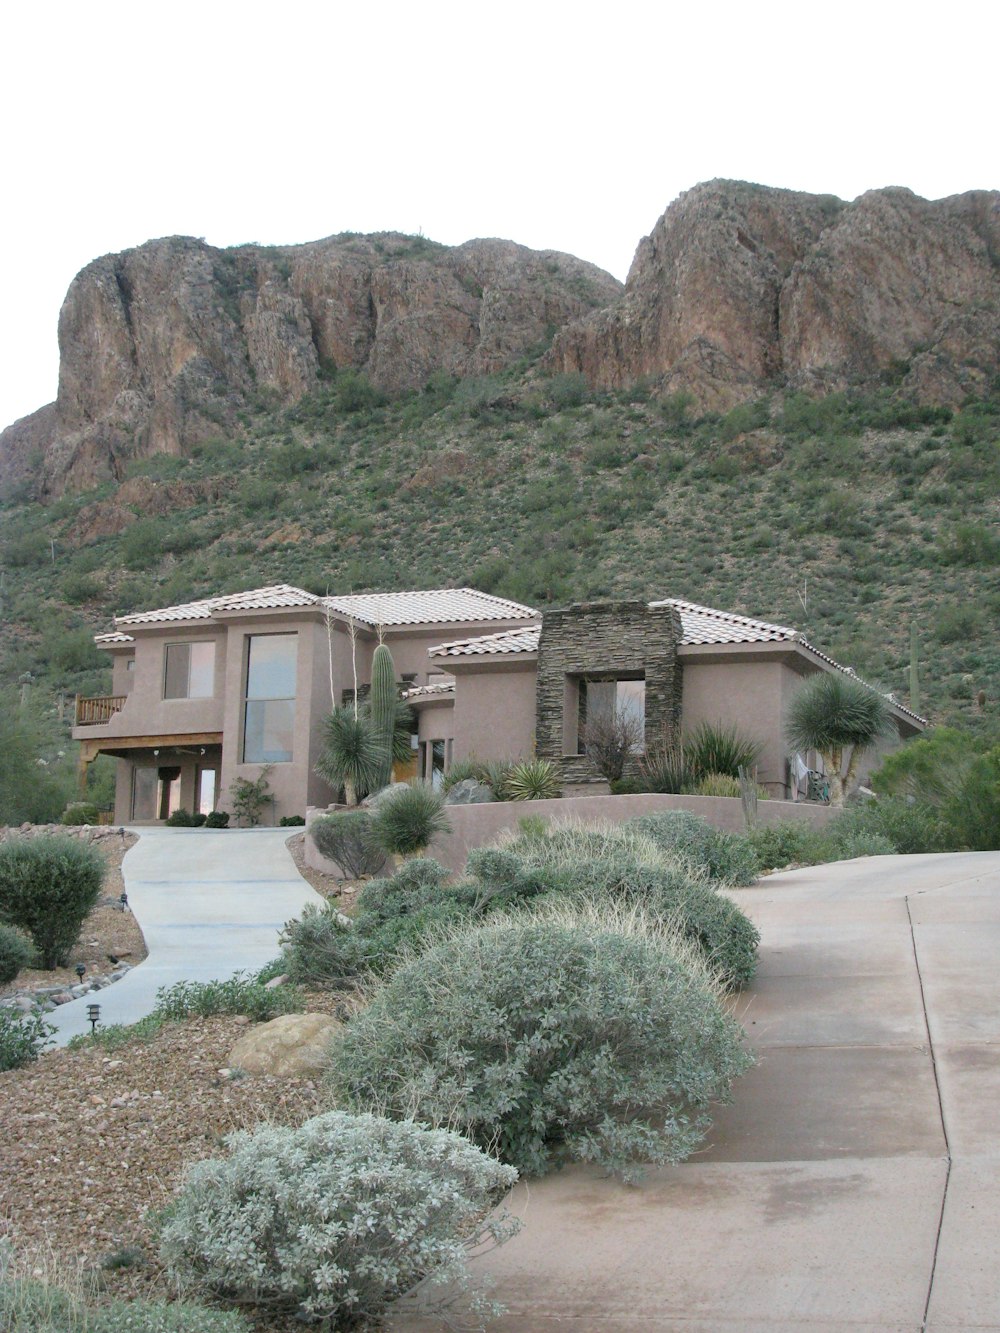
x=532, y=780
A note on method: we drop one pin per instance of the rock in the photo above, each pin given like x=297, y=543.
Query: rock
x=741, y=288
x=376, y=798
x=469, y=792
x=287, y=1046
x=62, y=997
x=275, y=982
x=163, y=346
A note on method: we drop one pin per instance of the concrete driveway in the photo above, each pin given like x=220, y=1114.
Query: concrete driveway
x=210, y=902
x=855, y=1182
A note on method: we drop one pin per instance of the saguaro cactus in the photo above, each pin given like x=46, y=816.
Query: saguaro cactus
x=383, y=705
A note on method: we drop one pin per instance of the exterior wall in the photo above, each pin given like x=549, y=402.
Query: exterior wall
x=751, y=695
x=478, y=825
x=495, y=713
x=122, y=679
x=606, y=638
x=436, y=722
x=146, y=712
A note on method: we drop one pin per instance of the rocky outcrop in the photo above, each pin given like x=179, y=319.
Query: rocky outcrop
x=740, y=288
x=291, y=1045
x=163, y=346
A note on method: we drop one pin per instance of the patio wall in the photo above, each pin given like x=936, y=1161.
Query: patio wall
x=476, y=825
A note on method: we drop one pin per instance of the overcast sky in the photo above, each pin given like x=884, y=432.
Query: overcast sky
x=563, y=126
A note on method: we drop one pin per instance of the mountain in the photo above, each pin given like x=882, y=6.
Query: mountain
x=738, y=291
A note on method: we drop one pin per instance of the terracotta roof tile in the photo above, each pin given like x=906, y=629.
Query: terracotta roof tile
x=433, y=607
x=276, y=596
x=524, y=640
x=115, y=637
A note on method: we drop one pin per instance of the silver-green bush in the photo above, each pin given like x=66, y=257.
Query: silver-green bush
x=345, y=837
x=16, y=953
x=47, y=887
x=28, y=1305
x=727, y=858
x=594, y=1036
x=335, y=1218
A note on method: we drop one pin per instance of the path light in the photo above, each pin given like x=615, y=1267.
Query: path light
x=123, y=899
x=80, y=969
x=93, y=1017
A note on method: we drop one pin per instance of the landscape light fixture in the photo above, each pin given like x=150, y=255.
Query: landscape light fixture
x=93, y=1017
x=80, y=969
x=123, y=899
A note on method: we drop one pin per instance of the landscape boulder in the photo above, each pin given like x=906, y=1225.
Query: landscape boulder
x=288, y=1046
x=469, y=792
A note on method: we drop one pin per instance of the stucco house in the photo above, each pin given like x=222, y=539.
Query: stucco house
x=212, y=690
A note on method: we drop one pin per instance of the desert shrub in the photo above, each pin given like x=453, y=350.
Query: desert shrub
x=16, y=953
x=407, y=820
x=22, y=1037
x=717, y=784
x=337, y=1217
x=291, y=821
x=608, y=864
x=185, y=819
x=971, y=818
x=532, y=780
x=217, y=819
x=930, y=769
x=238, y=994
x=47, y=887
x=417, y=884
x=663, y=768
x=495, y=772
x=783, y=843
x=345, y=837
x=462, y=771
x=78, y=813
x=250, y=797
x=578, y=1038
x=323, y=947
x=861, y=843
x=715, y=748
x=902, y=826
x=28, y=1305
x=500, y=877
x=728, y=858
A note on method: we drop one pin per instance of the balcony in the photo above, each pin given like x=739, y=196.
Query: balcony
x=95, y=712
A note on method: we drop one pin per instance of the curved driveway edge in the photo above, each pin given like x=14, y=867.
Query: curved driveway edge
x=210, y=902
x=854, y=1184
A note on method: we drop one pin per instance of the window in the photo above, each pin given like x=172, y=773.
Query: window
x=602, y=701
x=189, y=671
x=269, y=716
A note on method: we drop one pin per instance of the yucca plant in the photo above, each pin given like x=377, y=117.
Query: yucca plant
x=715, y=748
x=353, y=756
x=839, y=717
x=663, y=768
x=405, y=822
x=533, y=780
x=495, y=772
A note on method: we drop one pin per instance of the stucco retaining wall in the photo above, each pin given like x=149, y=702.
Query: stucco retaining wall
x=476, y=825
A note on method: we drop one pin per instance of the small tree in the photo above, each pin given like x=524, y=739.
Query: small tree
x=250, y=797
x=839, y=717
x=47, y=888
x=353, y=756
x=612, y=738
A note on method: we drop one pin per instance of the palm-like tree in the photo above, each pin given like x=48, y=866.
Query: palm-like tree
x=839, y=717
x=353, y=756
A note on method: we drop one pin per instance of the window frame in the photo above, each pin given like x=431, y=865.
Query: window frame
x=187, y=644
x=247, y=699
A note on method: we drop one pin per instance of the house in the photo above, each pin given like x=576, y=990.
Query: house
x=212, y=690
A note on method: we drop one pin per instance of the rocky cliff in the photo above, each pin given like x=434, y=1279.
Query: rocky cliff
x=164, y=345
x=740, y=288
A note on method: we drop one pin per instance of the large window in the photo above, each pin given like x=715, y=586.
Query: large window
x=269, y=718
x=606, y=704
x=189, y=672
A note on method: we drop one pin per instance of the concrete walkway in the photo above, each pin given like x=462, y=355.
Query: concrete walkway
x=210, y=903
x=855, y=1182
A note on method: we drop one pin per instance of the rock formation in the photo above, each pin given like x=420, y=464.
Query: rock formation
x=162, y=346
x=740, y=288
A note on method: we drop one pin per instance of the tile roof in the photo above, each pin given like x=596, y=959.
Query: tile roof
x=105, y=640
x=703, y=624
x=441, y=606
x=426, y=691
x=438, y=606
x=276, y=596
x=524, y=640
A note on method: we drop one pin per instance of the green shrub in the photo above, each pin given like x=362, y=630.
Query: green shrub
x=185, y=819
x=532, y=780
x=408, y=819
x=663, y=768
x=717, y=784
x=22, y=1037
x=47, y=887
x=78, y=813
x=16, y=953
x=495, y=772
x=578, y=1038
x=728, y=858
x=291, y=821
x=972, y=817
x=239, y=994
x=217, y=819
x=419, y=883
x=345, y=837
x=336, y=1218
x=715, y=748
x=28, y=1305
x=322, y=947
x=783, y=843
x=903, y=826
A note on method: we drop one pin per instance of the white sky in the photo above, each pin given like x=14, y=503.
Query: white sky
x=564, y=126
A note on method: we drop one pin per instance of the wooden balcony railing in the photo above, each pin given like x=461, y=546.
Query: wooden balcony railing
x=93, y=712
